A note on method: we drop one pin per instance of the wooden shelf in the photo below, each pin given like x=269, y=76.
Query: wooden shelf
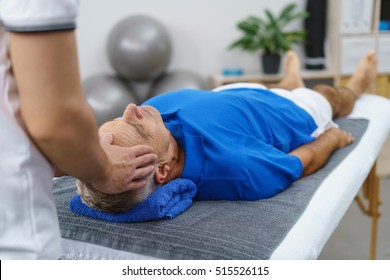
x=218, y=80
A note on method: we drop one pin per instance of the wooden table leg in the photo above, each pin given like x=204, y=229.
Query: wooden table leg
x=371, y=193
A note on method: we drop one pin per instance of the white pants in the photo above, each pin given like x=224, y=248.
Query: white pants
x=309, y=100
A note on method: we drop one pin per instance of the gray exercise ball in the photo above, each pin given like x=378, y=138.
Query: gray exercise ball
x=141, y=89
x=139, y=48
x=108, y=96
x=178, y=79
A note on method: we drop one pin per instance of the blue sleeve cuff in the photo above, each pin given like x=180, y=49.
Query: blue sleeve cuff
x=299, y=168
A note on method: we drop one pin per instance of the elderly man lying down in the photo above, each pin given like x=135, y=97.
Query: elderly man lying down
x=239, y=142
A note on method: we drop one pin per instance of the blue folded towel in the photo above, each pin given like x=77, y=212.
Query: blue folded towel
x=166, y=202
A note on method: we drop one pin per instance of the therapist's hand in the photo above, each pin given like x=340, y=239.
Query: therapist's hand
x=129, y=166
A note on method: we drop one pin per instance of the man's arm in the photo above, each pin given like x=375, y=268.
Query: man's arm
x=60, y=121
x=315, y=154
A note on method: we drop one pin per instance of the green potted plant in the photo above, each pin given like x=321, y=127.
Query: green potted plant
x=269, y=34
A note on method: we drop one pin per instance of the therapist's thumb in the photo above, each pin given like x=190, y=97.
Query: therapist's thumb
x=106, y=139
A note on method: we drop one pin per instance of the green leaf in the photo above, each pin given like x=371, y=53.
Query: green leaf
x=271, y=18
x=299, y=15
x=236, y=44
x=247, y=27
x=286, y=11
x=259, y=22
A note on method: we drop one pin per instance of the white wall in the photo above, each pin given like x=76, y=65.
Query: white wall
x=200, y=31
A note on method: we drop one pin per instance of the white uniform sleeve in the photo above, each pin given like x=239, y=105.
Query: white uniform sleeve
x=38, y=15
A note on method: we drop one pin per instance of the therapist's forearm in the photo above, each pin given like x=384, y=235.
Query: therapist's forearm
x=73, y=147
x=315, y=154
x=53, y=108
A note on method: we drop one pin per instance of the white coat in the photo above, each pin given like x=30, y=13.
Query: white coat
x=29, y=226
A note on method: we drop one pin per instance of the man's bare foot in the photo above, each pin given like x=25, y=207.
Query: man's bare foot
x=292, y=78
x=365, y=74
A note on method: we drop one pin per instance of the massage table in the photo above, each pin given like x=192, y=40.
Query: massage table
x=295, y=224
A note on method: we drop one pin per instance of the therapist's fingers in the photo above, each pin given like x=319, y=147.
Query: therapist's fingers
x=144, y=159
x=143, y=172
x=141, y=150
x=106, y=139
x=136, y=184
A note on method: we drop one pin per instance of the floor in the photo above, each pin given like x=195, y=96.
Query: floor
x=351, y=240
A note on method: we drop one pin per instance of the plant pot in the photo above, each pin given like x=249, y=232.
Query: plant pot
x=271, y=63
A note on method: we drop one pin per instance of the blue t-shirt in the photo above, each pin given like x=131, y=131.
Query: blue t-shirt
x=236, y=142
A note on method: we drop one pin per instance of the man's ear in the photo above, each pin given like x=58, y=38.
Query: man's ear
x=162, y=172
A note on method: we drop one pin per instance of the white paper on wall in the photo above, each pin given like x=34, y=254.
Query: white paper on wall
x=356, y=16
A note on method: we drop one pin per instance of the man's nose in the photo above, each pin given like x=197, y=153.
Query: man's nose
x=132, y=112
